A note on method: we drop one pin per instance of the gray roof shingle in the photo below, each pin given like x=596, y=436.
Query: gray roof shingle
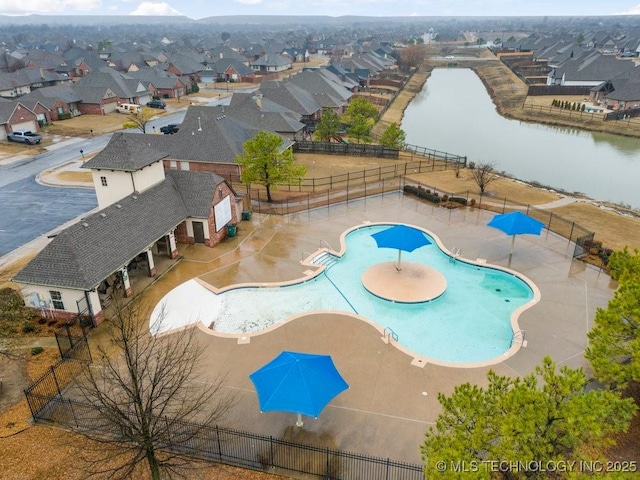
x=83, y=255
x=127, y=152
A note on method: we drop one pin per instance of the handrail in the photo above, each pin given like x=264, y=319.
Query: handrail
x=324, y=243
x=388, y=332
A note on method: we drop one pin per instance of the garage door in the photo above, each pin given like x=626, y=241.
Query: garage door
x=30, y=125
x=109, y=107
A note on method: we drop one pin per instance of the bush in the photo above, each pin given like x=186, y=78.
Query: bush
x=28, y=328
x=460, y=200
x=37, y=350
x=64, y=116
x=471, y=165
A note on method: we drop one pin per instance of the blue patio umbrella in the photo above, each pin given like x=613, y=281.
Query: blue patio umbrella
x=402, y=237
x=516, y=223
x=300, y=383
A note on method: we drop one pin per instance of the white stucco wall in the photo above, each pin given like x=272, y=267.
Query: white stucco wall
x=119, y=185
x=39, y=296
x=148, y=176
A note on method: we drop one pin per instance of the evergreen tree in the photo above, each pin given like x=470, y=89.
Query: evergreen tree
x=328, y=126
x=519, y=420
x=393, y=137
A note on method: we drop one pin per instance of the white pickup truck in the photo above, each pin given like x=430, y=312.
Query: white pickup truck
x=24, y=136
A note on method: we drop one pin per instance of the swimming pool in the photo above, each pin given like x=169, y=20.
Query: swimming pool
x=473, y=321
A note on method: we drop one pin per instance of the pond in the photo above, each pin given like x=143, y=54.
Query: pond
x=454, y=113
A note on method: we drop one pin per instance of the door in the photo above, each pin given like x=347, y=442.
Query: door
x=198, y=232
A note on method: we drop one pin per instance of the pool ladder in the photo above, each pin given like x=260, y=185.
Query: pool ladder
x=455, y=253
x=389, y=334
x=519, y=335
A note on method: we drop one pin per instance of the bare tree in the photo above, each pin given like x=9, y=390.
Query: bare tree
x=150, y=405
x=412, y=56
x=483, y=174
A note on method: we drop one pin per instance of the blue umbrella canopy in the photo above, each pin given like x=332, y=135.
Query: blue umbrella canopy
x=299, y=383
x=516, y=223
x=403, y=238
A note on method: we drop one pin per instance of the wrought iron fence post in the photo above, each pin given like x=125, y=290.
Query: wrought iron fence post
x=26, y=394
x=327, y=471
x=271, y=457
x=573, y=224
x=218, y=442
x=387, y=471
x=55, y=380
x=73, y=413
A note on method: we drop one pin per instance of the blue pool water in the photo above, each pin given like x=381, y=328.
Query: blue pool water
x=470, y=322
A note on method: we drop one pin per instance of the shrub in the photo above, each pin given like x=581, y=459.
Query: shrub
x=471, y=165
x=64, y=116
x=37, y=350
x=472, y=202
x=460, y=200
x=28, y=328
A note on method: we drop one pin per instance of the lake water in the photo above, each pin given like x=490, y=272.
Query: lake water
x=454, y=113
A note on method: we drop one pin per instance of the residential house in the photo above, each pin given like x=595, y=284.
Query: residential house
x=588, y=70
x=265, y=115
x=144, y=212
x=127, y=88
x=327, y=92
x=619, y=93
x=208, y=140
x=14, y=115
x=271, y=62
x=187, y=69
x=52, y=103
x=160, y=82
x=229, y=70
x=96, y=100
x=294, y=98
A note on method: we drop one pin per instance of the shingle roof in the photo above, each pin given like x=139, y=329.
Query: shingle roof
x=83, y=255
x=127, y=152
x=122, y=85
x=48, y=95
x=291, y=96
x=196, y=189
x=214, y=138
x=244, y=107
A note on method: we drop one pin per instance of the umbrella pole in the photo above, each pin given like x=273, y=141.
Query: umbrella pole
x=399, y=258
x=299, y=422
x=513, y=241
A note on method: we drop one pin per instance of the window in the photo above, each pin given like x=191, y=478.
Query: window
x=173, y=165
x=103, y=181
x=56, y=298
x=184, y=165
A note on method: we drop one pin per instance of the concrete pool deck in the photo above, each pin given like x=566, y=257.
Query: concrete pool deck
x=390, y=403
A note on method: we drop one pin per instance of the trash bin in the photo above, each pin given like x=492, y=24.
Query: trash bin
x=246, y=215
x=231, y=230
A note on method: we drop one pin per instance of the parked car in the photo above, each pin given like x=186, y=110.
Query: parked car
x=628, y=54
x=156, y=104
x=24, y=136
x=170, y=129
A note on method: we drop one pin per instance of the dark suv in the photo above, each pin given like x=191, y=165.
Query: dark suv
x=156, y=104
x=170, y=129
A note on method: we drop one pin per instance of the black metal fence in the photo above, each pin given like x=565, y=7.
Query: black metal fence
x=247, y=450
x=343, y=148
x=554, y=223
x=51, y=385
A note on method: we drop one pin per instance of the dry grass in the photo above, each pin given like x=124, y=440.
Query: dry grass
x=71, y=176
x=7, y=272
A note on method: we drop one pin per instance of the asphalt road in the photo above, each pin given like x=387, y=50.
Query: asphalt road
x=28, y=210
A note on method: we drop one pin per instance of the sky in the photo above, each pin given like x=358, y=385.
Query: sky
x=197, y=9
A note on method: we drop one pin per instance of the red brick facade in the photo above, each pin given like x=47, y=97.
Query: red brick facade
x=22, y=114
x=95, y=108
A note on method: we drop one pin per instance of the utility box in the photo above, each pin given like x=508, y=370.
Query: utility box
x=246, y=215
x=231, y=230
